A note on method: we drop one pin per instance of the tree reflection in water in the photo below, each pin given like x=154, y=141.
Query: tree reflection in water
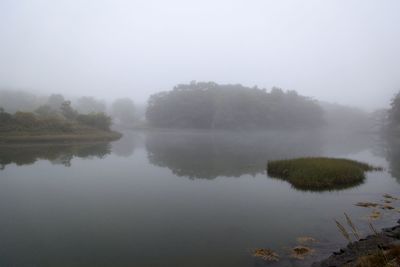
x=207, y=155
x=56, y=154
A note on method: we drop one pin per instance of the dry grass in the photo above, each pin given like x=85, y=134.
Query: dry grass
x=348, y=235
x=300, y=252
x=390, y=197
x=367, y=204
x=352, y=226
x=381, y=258
x=375, y=215
x=265, y=254
x=343, y=231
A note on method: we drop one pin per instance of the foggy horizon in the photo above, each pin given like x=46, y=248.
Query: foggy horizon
x=340, y=51
x=229, y=133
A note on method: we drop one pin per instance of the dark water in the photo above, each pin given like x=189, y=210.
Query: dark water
x=178, y=199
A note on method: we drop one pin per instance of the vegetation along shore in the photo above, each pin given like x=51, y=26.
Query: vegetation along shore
x=55, y=121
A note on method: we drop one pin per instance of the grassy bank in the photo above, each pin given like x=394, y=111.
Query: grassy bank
x=319, y=173
x=46, y=137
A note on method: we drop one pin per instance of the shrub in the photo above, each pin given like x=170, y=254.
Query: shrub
x=68, y=111
x=96, y=120
x=4, y=116
x=45, y=111
x=56, y=124
x=25, y=119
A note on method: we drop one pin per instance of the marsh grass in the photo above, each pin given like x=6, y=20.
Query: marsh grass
x=320, y=173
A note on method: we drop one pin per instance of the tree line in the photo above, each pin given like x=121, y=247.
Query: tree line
x=393, y=117
x=122, y=111
x=56, y=115
x=208, y=105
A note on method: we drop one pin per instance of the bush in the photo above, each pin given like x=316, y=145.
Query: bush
x=46, y=111
x=68, y=111
x=25, y=119
x=96, y=120
x=56, y=124
x=4, y=116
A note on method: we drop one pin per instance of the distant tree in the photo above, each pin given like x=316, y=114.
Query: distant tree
x=124, y=111
x=55, y=101
x=4, y=116
x=394, y=115
x=96, y=120
x=15, y=100
x=213, y=106
x=26, y=119
x=46, y=111
x=68, y=111
x=394, y=112
x=87, y=104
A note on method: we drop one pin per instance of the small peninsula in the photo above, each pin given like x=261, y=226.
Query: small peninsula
x=55, y=124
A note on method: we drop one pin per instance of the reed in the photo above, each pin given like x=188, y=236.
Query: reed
x=352, y=226
x=343, y=231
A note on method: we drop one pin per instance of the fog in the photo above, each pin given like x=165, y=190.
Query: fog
x=336, y=51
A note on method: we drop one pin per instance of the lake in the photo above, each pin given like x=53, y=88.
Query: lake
x=175, y=198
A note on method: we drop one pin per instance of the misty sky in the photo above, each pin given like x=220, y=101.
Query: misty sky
x=337, y=50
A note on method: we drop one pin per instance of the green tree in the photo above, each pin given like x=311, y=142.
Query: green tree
x=213, y=106
x=394, y=112
x=46, y=111
x=25, y=119
x=68, y=111
x=4, y=116
x=96, y=120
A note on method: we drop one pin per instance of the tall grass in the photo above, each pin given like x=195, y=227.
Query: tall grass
x=319, y=173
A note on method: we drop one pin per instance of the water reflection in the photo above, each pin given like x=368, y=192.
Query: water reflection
x=125, y=146
x=209, y=155
x=56, y=154
x=392, y=152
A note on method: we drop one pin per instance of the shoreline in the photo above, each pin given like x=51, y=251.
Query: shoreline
x=370, y=245
x=61, y=138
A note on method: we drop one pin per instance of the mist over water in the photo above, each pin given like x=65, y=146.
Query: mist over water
x=138, y=133
x=197, y=198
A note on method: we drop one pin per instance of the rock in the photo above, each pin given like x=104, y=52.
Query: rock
x=354, y=250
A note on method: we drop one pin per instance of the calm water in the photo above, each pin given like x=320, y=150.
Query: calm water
x=178, y=199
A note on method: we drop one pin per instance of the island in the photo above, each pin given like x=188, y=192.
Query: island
x=319, y=173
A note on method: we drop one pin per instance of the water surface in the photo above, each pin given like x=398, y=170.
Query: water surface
x=178, y=199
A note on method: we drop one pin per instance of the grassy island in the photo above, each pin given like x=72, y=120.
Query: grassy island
x=319, y=173
x=48, y=124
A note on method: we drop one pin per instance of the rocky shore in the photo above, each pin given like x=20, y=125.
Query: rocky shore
x=379, y=243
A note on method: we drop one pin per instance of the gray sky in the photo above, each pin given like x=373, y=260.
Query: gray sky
x=342, y=51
